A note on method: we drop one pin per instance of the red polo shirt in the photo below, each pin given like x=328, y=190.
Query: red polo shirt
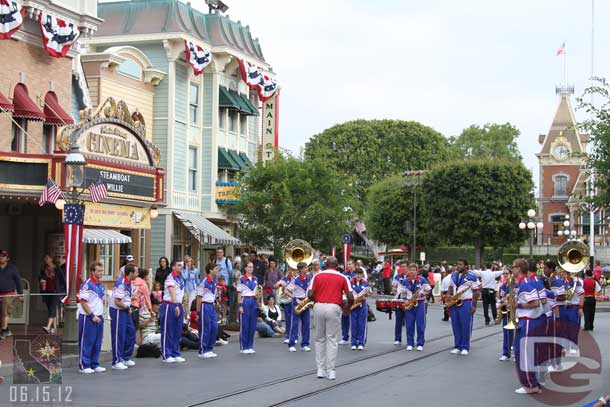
x=589, y=286
x=328, y=287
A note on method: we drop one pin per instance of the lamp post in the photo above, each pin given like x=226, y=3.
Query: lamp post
x=532, y=224
x=74, y=211
x=412, y=179
x=567, y=231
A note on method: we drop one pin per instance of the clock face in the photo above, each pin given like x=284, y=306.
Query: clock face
x=561, y=152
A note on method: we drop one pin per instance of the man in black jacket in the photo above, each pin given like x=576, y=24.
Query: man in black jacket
x=10, y=281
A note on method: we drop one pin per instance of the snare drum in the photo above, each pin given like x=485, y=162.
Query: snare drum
x=382, y=305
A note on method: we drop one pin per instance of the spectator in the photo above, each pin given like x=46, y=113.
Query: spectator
x=193, y=316
x=387, y=275
x=224, y=264
x=162, y=271
x=60, y=285
x=148, y=326
x=272, y=315
x=48, y=286
x=223, y=297
x=259, y=266
x=432, y=284
x=10, y=281
x=272, y=276
x=157, y=293
x=597, y=270
x=264, y=329
x=190, y=274
x=129, y=259
x=189, y=338
x=140, y=291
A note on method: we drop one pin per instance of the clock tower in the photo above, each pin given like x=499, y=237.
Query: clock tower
x=561, y=162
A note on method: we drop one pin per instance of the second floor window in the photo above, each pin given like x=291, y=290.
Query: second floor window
x=243, y=124
x=561, y=185
x=222, y=118
x=192, y=169
x=20, y=126
x=194, y=102
x=49, y=133
x=232, y=121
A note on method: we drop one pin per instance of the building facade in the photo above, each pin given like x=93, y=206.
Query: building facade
x=206, y=126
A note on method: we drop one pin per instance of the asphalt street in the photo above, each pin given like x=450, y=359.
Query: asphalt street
x=382, y=373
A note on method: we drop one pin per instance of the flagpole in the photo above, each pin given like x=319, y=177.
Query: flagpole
x=565, y=66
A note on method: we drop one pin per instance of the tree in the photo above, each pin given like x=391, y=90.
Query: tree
x=389, y=216
x=478, y=202
x=492, y=141
x=599, y=129
x=366, y=151
x=288, y=199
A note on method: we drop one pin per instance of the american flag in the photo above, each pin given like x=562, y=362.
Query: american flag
x=50, y=193
x=360, y=227
x=562, y=49
x=98, y=191
x=73, y=239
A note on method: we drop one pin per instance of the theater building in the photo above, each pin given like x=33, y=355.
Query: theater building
x=205, y=125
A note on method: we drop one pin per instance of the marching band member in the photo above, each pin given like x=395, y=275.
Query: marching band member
x=91, y=321
x=345, y=319
x=208, y=320
x=358, y=316
x=248, y=309
x=557, y=287
x=299, y=289
x=466, y=283
x=573, y=309
x=416, y=315
x=286, y=300
x=508, y=335
x=398, y=289
x=121, y=323
x=171, y=314
x=529, y=311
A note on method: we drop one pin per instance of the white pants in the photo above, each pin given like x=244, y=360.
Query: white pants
x=327, y=320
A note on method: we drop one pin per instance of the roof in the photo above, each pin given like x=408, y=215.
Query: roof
x=139, y=17
x=205, y=231
x=564, y=125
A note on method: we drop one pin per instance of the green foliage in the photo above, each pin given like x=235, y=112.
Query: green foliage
x=366, y=151
x=492, y=141
x=599, y=129
x=389, y=207
x=477, y=202
x=288, y=199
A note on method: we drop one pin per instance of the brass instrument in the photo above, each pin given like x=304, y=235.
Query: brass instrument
x=573, y=257
x=513, y=322
x=503, y=310
x=412, y=303
x=307, y=303
x=284, y=297
x=297, y=251
x=455, y=298
x=259, y=296
x=358, y=301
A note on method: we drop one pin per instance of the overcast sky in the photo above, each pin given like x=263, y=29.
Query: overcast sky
x=447, y=64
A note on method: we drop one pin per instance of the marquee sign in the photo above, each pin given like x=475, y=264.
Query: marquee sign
x=111, y=140
x=270, y=118
x=122, y=183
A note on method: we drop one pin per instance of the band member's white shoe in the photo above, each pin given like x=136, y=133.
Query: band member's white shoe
x=180, y=359
x=99, y=369
x=332, y=375
x=396, y=343
x=292, y=349
x=129, y=363
x=343, y=342
x=455, y=351
x=528, y=390
x=119, y=366
x=353, y=347
x=360, y=347
x=321, y=373
x=464, y=352
x=87, y=371
x=504, y=358
x=286, y=340
x=306, y=349
x=409, y=347
x=420, y=348
x=170, y=360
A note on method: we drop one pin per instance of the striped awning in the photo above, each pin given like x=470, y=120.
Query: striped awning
x=205, y=231
x=105, y=236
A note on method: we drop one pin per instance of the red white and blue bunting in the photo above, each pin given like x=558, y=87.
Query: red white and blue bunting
x=197, y=57
x=57, y=35
x=11, y=18
x=255, y=79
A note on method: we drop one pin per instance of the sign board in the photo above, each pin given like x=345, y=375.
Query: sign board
x=56, y=244
x=111, y=140
x=26, y=173
x=122, y=183
x=116, y=216
x=227, y=192
x=270, y=118
x=422, y=256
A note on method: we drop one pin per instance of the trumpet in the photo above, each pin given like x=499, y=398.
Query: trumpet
x=306, y=303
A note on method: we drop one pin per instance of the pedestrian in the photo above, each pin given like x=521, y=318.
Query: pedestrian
x=465, y=283
x=358, y=316
x=298, y=287
x=326, y=290
x=48, y=287
x=387, y=276
x=10, y=281
x=123, y=330
x=148, y=326
x=488, y=290
x=223, y=297
x=171, y=314
x=206, y=305
x=399, y=290
x=272, y=276
x=162, y=271
x=248, y=309
x=190, y=274
x=272, y=315
x=225, y=270
x=91, y=320
x=591, y=287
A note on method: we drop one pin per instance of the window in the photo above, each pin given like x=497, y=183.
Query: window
x=557, y=223
x=192, y=169
x=142, y=247
x=243, y=124
x=177, y=230
x=561, y=185
x=131, y=69
x=222, y=118
x=194, y=102
x=232, y=121
x=49, y=133
x=20, y=126
x=107, y=259
x=177, y=252
x=125, y=248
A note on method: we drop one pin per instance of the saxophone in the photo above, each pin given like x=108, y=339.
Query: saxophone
x=306, y=303
x=455, y=298
x=357, y=303
x=412, y=303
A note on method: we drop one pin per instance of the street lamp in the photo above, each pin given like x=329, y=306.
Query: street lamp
x=412, y=179
x=532, y=224
x=566, y=231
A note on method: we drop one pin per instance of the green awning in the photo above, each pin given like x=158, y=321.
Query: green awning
x=237, y=158
x=248, y=105
x=245, y=159
x=226, y=99
x=226, y=161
